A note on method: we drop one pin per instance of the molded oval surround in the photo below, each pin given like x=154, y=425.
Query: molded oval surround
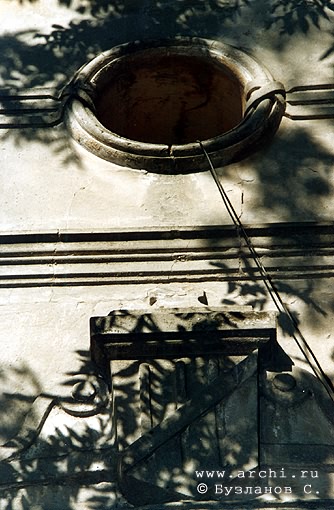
x=147, y=104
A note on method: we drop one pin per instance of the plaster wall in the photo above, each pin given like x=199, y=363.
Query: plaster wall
x=51, y=184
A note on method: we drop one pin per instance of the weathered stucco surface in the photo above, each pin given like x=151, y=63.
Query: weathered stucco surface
x=51, y=185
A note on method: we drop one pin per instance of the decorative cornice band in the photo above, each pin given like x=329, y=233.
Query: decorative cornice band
x=164, y=255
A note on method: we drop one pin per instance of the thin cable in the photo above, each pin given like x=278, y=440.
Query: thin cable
x=273, y=292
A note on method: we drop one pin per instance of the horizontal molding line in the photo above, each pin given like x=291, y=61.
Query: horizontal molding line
x=288, y=252
x=140, y=252
x=152, y=278
x=288, y=230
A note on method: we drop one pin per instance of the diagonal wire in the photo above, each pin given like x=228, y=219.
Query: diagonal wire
x=270, y=286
